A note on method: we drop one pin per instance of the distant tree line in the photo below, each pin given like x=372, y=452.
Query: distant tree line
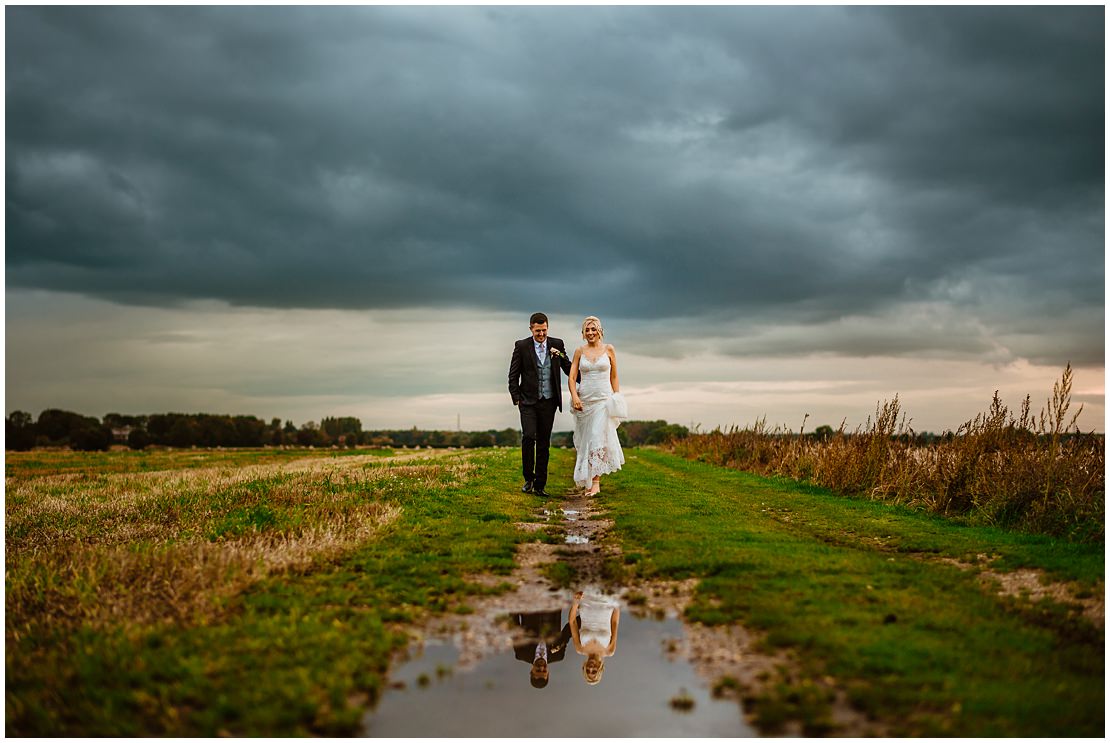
x=63, y=428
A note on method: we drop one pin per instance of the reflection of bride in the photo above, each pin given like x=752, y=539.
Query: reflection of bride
x=596, y=638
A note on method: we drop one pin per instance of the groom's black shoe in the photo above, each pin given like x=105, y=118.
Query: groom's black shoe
x=527, y=488
x=542, y=493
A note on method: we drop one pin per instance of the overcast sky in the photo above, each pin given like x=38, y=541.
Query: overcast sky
x=301, y=212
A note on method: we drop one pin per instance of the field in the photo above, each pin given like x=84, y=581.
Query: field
x=1036, y=472
x=264, y=592
x=904, y=609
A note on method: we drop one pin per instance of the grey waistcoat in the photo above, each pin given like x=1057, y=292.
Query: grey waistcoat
x=546, y=391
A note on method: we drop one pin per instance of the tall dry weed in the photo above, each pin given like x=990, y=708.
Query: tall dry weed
x=1037, y=473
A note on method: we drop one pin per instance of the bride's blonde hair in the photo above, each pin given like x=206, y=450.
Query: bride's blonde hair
x=595, y=321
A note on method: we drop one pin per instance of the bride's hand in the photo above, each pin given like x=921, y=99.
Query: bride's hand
x=577, y=404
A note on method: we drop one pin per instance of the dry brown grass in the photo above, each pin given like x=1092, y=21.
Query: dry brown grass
x=1033, y=472
x=176, y=580
x=174, y=545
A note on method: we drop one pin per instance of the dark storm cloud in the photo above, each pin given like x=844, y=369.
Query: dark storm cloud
x=786, y=165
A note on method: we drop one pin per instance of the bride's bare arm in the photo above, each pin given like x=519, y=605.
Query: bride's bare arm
x=613, y=380
x=573, y=375
x=573, y=621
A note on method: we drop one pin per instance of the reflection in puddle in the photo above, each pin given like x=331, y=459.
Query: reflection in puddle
x=569, y=514
x=561, y=678
x=577, y=539
x=594, y=623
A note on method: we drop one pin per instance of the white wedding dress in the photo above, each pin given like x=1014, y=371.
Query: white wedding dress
x=595, y=425
x=596, y=613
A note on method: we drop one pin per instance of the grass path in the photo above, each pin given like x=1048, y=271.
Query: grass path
x=856, y=590
x=870, y=596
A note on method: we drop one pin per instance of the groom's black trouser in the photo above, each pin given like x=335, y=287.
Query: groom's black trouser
x=535, y=427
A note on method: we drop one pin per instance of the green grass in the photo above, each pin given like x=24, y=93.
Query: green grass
x=917, y=644
x=298, y=653
x=301, y=651
x=560, y=574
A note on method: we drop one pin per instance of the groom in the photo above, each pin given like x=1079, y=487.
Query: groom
x=544, y=644
x=536, y=389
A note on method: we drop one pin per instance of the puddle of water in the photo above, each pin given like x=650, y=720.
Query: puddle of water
x=577, y=539
x=497, y=697
x=570, y=515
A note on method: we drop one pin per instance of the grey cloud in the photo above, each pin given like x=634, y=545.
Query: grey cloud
x=792, y=165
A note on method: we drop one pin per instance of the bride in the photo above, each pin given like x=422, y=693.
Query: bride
x=598, y=408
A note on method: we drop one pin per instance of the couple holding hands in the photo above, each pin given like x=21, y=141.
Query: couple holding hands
x=599, y=407
x=592, y=626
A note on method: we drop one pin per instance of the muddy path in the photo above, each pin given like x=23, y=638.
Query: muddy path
x=571, y=554
x=572, y=529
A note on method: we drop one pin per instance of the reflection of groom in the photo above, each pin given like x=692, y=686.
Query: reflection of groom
x=546, y=643
x=536, y=388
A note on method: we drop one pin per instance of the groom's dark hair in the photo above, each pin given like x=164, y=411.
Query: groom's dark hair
x=537, y=318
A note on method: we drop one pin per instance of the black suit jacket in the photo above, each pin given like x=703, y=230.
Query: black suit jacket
x=543, y=625
x=524, y=371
